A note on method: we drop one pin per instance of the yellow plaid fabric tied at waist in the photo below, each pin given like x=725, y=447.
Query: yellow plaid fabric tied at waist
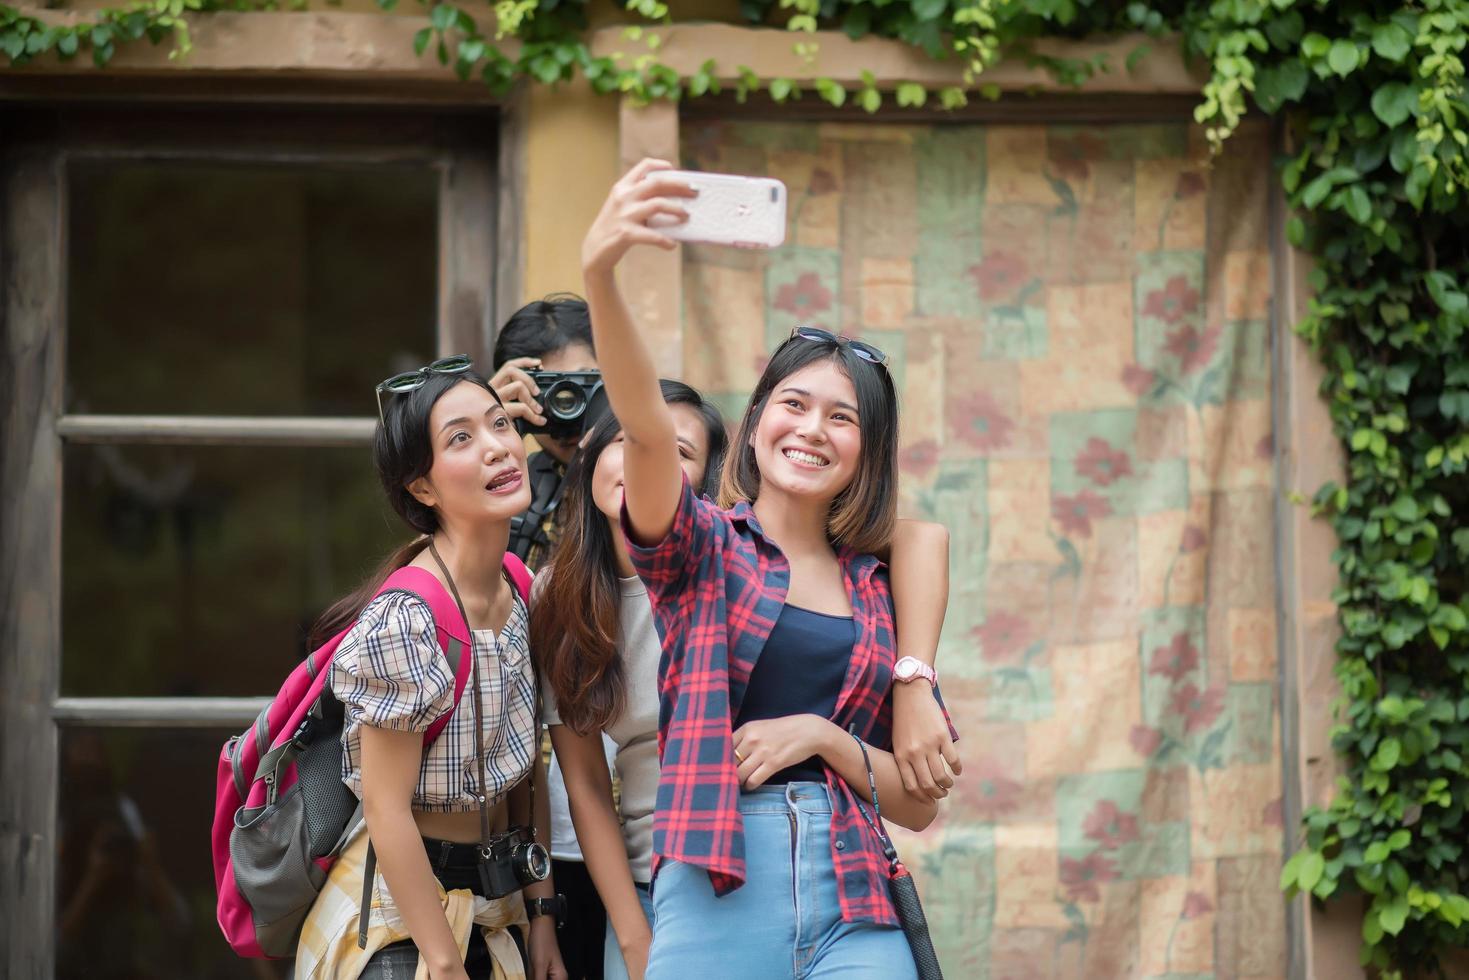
x=328, y=949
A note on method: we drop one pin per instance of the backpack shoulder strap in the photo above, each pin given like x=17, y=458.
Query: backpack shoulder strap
x=453, y=631
x=520, y=576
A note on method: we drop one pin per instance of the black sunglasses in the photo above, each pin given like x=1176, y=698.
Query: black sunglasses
x=410, y=380
x=862, y=349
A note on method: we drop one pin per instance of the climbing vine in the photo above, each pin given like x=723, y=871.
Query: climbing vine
x=1373, y=98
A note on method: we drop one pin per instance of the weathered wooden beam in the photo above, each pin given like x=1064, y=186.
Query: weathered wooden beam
x=216, y=430
x=154, y=712
x=32, y=356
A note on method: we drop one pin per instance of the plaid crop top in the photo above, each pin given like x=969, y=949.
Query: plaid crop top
x=390, y=672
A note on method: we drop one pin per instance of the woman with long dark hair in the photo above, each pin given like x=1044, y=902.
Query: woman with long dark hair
x=593, y=633
x=453, y=468
x=780, y=656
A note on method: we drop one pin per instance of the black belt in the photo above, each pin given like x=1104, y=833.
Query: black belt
x=448, y=854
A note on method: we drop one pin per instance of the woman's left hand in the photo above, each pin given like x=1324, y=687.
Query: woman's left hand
x=545, y=955
x=763, y=748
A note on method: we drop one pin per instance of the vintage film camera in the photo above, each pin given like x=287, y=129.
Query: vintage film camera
x=571, y=401
x=511, y=861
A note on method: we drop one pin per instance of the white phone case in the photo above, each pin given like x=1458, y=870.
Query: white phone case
x=747, y=212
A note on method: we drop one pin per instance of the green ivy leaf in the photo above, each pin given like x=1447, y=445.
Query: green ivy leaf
x=1388, y=751
x=1309, y=871
x=1394, y=916
x=1394, y=102
x=1280, y=84
x=1343, y=57
x=1391, y=41
x=421, y=39
x=442, y=17
x=929, y=9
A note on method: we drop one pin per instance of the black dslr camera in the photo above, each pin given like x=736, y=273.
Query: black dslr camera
x=571, y=401
x=510, y=861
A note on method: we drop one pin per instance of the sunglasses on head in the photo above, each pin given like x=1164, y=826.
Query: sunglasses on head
x=408, y=381
x=866, y=351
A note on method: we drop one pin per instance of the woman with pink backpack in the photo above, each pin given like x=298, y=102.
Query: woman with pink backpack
x=447, y=778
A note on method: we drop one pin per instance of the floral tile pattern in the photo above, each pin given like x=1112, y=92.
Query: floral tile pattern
x=1078, y=321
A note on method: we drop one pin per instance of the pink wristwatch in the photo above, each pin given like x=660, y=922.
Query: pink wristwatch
x=911, y=668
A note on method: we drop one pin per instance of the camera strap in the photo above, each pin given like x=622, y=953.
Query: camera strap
x=479, y=731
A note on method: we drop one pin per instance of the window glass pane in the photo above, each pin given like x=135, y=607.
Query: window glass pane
x=196, y=570
x=199, y=288
x=134, y=887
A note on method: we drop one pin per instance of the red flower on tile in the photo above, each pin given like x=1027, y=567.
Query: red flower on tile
x=976, y=419
x=919, y=458
x=1003, y=637
x=1071, y=169
x=987, y=791
x=1176, y=659
x=1145, y=740
x=804, y=296
x=1265, y=448
x=1176, y=300
x=822, y=182
x=1192, y=347
x=1196, y=905
x=1190, y=184
x=998, y=275
x=1075, y=514
x=1102, y=464
x=1138, y=379
x=1110, y=826
x=1199, y=709
x=1081, y=878
x=1193, y=539
x=1274, y=813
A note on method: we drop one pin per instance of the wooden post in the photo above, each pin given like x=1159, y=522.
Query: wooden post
x=31, y=371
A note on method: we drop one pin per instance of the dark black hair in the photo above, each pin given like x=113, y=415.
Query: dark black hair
x=543, y=327
x=402, y=451
x=863, y=515
x=574, y=626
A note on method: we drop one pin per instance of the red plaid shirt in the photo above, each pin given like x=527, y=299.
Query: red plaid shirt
x=718, y=585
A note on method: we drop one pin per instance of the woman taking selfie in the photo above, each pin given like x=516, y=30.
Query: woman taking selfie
x=453, y=468
x=778, y=643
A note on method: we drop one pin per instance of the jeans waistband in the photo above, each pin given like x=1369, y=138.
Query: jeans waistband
x=807, y=797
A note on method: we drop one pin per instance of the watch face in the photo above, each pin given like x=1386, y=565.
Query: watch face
x=906, y=669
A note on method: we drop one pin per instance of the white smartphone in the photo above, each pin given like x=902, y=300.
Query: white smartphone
x=746, y=212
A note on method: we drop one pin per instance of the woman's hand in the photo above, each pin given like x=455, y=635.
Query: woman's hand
x=623, y=221
x=516, y=390
x=545, y=955
x=922, y=746
x=764, y=748
x=635, y=956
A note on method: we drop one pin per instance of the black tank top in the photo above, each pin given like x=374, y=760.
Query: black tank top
x=800, y=671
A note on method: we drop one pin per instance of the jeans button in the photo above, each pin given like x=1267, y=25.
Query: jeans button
x=841, y=845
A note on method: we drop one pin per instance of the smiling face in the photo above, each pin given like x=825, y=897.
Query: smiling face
x=573, y=357
x=808, y=442
x=478, y=471
x=693, y=455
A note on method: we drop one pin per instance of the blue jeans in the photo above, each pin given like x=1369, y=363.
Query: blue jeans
x=612, y=966
x=785, y=920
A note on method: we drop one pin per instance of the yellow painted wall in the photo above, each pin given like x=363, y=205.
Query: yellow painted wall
x=570, y=161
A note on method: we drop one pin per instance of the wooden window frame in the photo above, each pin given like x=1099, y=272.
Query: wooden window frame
x=475, y=154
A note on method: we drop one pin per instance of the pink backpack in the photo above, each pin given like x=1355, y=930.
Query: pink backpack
x=281, y=811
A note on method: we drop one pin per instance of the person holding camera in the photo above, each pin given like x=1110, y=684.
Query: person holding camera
x=454, y=823
x=546, y=373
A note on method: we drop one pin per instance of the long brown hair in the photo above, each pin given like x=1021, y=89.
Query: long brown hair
x=863, y=516
x=402, y=451
x=574, y=622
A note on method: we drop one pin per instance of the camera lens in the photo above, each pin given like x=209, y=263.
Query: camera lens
x=566, y=400
x=532, y=863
